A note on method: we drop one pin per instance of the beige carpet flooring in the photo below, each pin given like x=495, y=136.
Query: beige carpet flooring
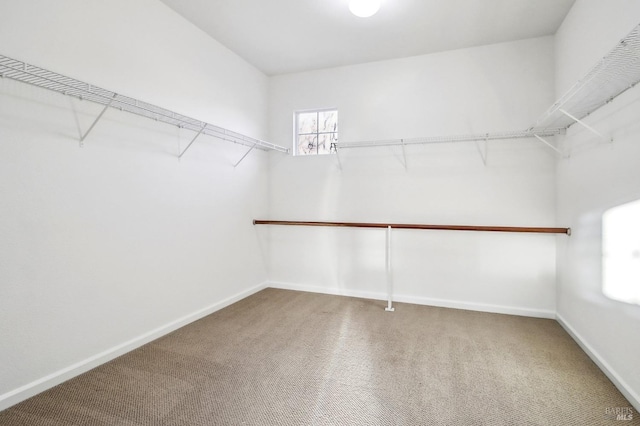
x=292, y=358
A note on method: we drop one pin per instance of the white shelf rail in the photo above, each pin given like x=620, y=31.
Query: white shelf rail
x=30, y=74
x=449, y=139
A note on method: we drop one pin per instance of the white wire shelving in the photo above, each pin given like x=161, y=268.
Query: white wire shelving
x=36, y=76
x=617, y=72
x=451, y=139
x=540, y=134
x=614, y=74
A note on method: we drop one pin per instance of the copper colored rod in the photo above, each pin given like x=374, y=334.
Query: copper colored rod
x=413, y=226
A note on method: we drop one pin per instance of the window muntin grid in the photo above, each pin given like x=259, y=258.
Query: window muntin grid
x=316, y=132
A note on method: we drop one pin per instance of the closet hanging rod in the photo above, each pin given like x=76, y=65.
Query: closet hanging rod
x=39, y=77
x=535, y=230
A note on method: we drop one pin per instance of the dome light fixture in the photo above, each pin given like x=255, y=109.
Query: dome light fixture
x=364, y=8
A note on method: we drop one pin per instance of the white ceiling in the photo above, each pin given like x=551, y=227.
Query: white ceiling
x=283, y=36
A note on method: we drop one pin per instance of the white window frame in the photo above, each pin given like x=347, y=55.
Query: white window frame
x=296, y=135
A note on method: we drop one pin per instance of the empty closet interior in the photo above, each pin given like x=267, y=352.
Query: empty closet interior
x=158, y=166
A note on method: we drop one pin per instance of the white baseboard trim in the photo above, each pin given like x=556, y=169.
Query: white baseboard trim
x=480, y=307
x=327, y=290
x=416, y=300
x=30, y=389
x=615, y=378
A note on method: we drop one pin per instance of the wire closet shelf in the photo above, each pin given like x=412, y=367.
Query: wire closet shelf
x=614, y=74
x=452, y=139
x=617, y=72
x=36, y=76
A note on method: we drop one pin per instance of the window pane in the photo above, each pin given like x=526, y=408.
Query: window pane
x=324, y=144
x=328, y=121
x=621, y=253
x=307, y=145
x=307, y=122
x=315, y=132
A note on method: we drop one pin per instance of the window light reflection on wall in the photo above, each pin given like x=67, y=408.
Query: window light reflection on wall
x=621, y=253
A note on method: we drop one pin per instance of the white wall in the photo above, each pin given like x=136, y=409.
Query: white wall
x=597, y=177
x=486, y=89
x=105, y=247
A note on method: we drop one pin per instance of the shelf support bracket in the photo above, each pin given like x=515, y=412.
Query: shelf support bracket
x=404, y=156
x=389, y=307
x=338, y=158
x=192, y=141
x=549, y=144
x=586, y=126
x=245, y=154
x=486, y=149
x=83, y=137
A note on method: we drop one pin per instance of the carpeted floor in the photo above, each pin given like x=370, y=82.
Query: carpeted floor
x=291, y=358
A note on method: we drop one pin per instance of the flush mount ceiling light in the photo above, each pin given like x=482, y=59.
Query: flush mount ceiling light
x=364, y=8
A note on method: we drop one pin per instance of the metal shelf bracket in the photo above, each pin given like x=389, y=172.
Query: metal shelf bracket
x=192, y=141
x=484, y=154
x=549, y=144
x=83, y=137
x=404, y=156
x=586, y=126
x=243, y=157
x=338, y=158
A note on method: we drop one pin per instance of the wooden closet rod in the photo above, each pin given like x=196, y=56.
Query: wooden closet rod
x=535, y=230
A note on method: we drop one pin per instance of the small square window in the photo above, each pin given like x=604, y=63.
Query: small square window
x=316, y=132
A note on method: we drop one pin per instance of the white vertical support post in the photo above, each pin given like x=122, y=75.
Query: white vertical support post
x=389, y=307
